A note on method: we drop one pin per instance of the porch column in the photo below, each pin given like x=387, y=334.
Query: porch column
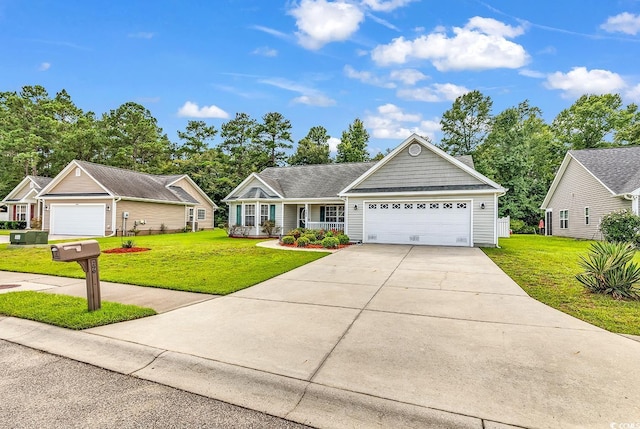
x=282, y=231
x=28, y=215
x=306, y=215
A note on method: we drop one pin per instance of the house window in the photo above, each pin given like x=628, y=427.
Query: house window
x=250, y=215
x=21, y=212
x=191, y=214
x=564, y=219
x=334, y=214
x=202, y=214
x=586, y=215
x=264, y=213
x=77, y=171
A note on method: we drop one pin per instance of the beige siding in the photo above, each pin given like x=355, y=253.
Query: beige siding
x=576, y=190
x=108, y=227
x=426, y=169
x=24, y=190
x=483, y=219
x=290, y=217
x=76, y=184
x=253, y=183
x=154, y=214
x=208, y=221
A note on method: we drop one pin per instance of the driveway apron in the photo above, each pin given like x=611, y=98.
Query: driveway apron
x=438, y=329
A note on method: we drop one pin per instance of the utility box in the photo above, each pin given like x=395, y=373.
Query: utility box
x=18, y=237
x=86, y=254
x=42, y=237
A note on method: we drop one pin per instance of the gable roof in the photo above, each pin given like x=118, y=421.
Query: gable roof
x=302, y=181
x=460, y=162
x=617, y=169
x=119, y=182
x=39, y=182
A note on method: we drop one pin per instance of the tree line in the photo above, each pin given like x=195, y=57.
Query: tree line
x=41, y=134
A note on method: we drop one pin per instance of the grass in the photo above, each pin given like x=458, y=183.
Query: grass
x=5, y=231
x=545, y=267
x=66, y=311
x=206, y=262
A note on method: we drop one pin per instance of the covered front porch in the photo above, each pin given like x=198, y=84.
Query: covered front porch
x=24, y=211
x=316, y=216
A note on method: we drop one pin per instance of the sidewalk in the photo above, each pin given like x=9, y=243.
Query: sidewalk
x=374, y=336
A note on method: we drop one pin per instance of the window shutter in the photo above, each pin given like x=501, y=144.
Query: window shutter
x=239, y=214
x=272, y=212
x=321, y=213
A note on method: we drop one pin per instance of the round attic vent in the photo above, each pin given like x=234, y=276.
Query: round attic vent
x=415, y=149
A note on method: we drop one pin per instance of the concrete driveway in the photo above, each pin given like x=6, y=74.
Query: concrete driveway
x=379, y=336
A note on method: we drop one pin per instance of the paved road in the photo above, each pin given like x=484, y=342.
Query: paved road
x=40, y=390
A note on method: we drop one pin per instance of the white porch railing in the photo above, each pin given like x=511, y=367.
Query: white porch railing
x=327, y=226
x=504, y=226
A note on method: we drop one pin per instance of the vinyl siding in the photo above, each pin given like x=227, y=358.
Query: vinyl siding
x=576, y=190
x=23, y=191
x=253, y=183
x=426, y=169
x=108, y=228
x=208, y=222
x=483, y=219
x=174, y=217
x=76, y=184
x=290, y=217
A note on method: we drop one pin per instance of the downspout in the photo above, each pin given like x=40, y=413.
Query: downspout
x=114, y=223
x=634, y=202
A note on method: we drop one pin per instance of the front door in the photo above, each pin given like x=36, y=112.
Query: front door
x=548, y=224
x=302, y=215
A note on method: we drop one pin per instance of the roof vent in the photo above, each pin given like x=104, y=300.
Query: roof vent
x=415, y=149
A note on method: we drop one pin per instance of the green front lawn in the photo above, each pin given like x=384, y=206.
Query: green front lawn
x=545, y=268
x=207, y=262
x=66, y=311
x=5, y=231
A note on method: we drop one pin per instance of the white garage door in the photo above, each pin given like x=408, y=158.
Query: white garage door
x=78, y=219
x=439, y=223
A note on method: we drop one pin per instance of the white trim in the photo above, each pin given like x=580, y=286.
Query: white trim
x=437, y=151
x=244, y=183
x=196, y=187
x=495, y=220
x=546, y=222
x=422, y=193
x=19, y=187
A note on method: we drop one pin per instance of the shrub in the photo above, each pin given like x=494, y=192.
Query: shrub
x=295, y=233
x=330, y=243
x=343, y=239
x=328, y=234
x=520, y=227
x=303, y=242
x=163, y=228
x=310, y=236
x=288, y=239
x=609, y=270
x=320, y=234
x=621, y=227
x=128, y=244
x=268, y=227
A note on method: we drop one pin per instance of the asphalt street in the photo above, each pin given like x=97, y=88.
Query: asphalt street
x=40, y=390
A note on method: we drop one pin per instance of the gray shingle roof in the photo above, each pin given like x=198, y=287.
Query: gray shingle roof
x=255, y=192
x=466, y=160
x=41, y=181
x=618, y=168
x=313, y=181
x=132, y=184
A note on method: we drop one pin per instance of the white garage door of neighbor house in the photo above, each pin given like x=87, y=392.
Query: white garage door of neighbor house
x=78, y=219
x=441, y=223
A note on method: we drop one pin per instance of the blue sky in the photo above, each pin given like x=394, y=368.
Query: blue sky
x=396, y=64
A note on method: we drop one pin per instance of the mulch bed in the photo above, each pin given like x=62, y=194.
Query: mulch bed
x=126, y=250
x=313, y=246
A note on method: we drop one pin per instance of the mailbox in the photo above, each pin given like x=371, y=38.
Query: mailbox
x=75, y=251
x=85, y=253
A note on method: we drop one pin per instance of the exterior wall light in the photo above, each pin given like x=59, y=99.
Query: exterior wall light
x=482, y=206
x=355, y=207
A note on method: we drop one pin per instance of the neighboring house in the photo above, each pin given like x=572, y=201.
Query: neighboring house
x=21, y=202
x=589, y=184
x=417, y=194
x=89, y=199
x=4, y=213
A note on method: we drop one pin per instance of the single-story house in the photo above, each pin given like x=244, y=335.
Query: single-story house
x=88, y=199
x=21, y=202
x=589, y=184
x=417, y=194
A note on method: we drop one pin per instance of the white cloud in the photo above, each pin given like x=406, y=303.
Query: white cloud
x=333, y=144
x=271, y=31
x=191, y=110
x=408, y=76
x=44, y=66
x=265, y=51
x=625, y=22
x=385, y=6
x=391, y=122
x=481, y=44
x=532, y=73
x=582, y=81
x=367, y=77
x=315, y=100
x=320, y=22
x=433, y=93
x=633, y=94
x=141, y=35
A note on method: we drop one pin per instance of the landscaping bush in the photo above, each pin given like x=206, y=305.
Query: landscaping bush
x=621, y=227
x=520, y=227
x=343, y=239
x=609, y=270
x=295, y=233
x=13, y=224
x=268, y=227
x=330, y=243
x=329, y=234
x=288, y=239
x=302, y=242
x=320, y=234
x=310, y=236
x=128, y=244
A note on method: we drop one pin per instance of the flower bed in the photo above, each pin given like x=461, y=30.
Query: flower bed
x=126, y=250
x=312, y=246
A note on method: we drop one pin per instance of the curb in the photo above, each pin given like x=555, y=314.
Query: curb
x=297, y=400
